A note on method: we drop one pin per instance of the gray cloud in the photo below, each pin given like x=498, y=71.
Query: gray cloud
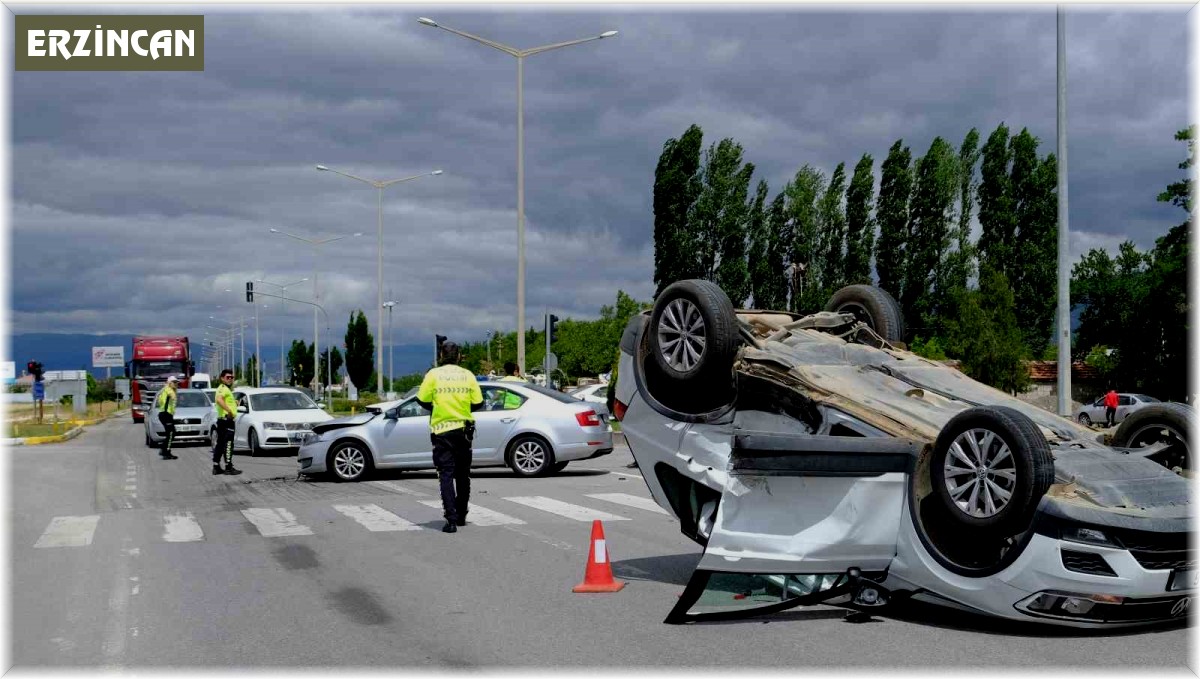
x=146, y=195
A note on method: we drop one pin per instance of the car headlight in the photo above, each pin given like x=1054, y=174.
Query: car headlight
x=273, y=425
x=310, y=437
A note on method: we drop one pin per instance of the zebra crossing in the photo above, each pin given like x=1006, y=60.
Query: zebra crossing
x=271, y=522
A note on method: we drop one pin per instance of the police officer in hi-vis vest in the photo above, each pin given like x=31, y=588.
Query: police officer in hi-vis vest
x=452, y=393
x=167, y=398
x=226, y=407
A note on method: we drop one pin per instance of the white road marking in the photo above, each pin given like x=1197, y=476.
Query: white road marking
x=275, y=522
x=181, y=528
x=565, y=509
x=376, y=518
x=69, y=531
x=632, y=476
x=630, y=501
x=480, y=516
x=398, y=488
x=130, y=487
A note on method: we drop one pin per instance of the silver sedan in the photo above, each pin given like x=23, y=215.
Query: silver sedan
x=194, y=417
x=1127, y=404
x=531, y=429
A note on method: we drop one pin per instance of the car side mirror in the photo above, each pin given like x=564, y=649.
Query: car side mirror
x=243, y=409
x=393, y=414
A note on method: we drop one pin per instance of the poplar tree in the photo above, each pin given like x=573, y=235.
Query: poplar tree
x=676, y=186
x=996, y=217
x=802, y=195
x=930, y=219
x=891, y=212
x=960, y=261
x=360, y=350
x=860, y=229
x=831, y=238
x=1034, y=268
x=779, y=243
x=760, y=266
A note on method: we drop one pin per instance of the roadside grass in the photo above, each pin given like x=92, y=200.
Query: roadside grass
x=19, y=419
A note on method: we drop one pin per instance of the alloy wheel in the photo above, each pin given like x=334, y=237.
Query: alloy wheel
x=349, y=462
x=681, y=335
x=980, y=473
x=529, y=456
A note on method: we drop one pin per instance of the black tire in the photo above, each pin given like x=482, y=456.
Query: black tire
x=559, y=466
x=252, y=442
x=873, y=306
x=1024, y=473
x=150, y=442
x=530, y=456
x=1157, y=422
x=1085, y=420
x=349, y=461
x=694, y=336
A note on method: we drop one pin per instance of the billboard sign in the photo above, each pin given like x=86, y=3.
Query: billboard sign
x=108, y=357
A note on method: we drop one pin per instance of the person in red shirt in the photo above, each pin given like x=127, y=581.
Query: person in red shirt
x=1110, y=408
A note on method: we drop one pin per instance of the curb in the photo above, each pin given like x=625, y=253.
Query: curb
x=66, y=436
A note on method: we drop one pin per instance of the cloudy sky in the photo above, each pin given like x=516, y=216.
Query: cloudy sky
x=138, y=198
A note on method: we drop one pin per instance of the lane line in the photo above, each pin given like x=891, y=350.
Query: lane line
x=628, y=474
x=480, y=516
x=375, y=518
x=69, y=531
x=182, y=528
x=565, y=509
x=275, y=522
x=630, y=501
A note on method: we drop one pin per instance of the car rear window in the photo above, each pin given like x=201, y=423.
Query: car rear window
x=552, y=393
x=1147, y=399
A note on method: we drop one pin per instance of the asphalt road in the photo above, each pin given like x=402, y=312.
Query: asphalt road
x=122, y=560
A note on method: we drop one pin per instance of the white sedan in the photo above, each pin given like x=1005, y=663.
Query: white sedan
x=273, y=418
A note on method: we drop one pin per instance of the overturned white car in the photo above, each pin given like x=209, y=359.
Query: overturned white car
x=817, y=463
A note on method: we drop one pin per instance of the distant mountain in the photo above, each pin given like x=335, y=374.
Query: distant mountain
x=74, y=352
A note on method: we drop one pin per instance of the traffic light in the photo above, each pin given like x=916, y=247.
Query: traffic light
x=35, y=368
x=552, y=328
x=249, y=291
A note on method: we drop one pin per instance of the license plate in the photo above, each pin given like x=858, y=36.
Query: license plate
x=1183, y=579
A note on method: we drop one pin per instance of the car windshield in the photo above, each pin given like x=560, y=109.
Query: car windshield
x=552, y=393
x=192, y=399
x=283, y=400
x=158, y=368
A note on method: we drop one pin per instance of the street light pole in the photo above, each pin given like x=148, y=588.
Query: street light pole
x=380, y=186
x=282, y=309
x=391, y=346
x=520, y=56
x=316, y=260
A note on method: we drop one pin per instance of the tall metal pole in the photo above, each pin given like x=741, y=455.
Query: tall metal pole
x=391, y=352
x=520, y=214
x=1064, y=277
x=242, y=338
x=316, y=333
x=379, y=302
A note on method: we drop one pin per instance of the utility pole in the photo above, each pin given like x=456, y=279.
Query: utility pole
x=1064, y=278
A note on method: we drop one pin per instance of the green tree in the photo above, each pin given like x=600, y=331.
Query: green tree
x=718, y=219
x=1180, y=193
x=930, y=217
x=300, y=364
x=831, y=235
x=676, y=186
x=891, y=212
x=985, y=337
x=1034, y=274
x=802, y=196
x=779, y=243
x=360, y=350
x=860, y=229
x=762, y=276
x=996, y=218
x=960, y=261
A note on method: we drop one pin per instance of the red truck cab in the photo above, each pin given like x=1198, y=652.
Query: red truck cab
x=154, y=359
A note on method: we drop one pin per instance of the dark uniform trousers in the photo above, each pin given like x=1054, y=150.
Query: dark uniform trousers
x=452, y=457
x=1110, y=416
x=168, y=423
x=224, y=447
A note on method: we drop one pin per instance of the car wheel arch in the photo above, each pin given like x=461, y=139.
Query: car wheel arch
x=368, y=455
x=511, y=447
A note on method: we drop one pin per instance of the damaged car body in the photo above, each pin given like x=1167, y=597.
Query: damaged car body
x=816, y=462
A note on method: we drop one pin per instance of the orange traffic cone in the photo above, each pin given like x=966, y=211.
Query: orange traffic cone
x=598, y=576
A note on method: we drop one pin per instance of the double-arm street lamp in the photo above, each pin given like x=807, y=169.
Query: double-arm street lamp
x=316, y=243
x=282, y=309
x=520, y=55
x=380, y=186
